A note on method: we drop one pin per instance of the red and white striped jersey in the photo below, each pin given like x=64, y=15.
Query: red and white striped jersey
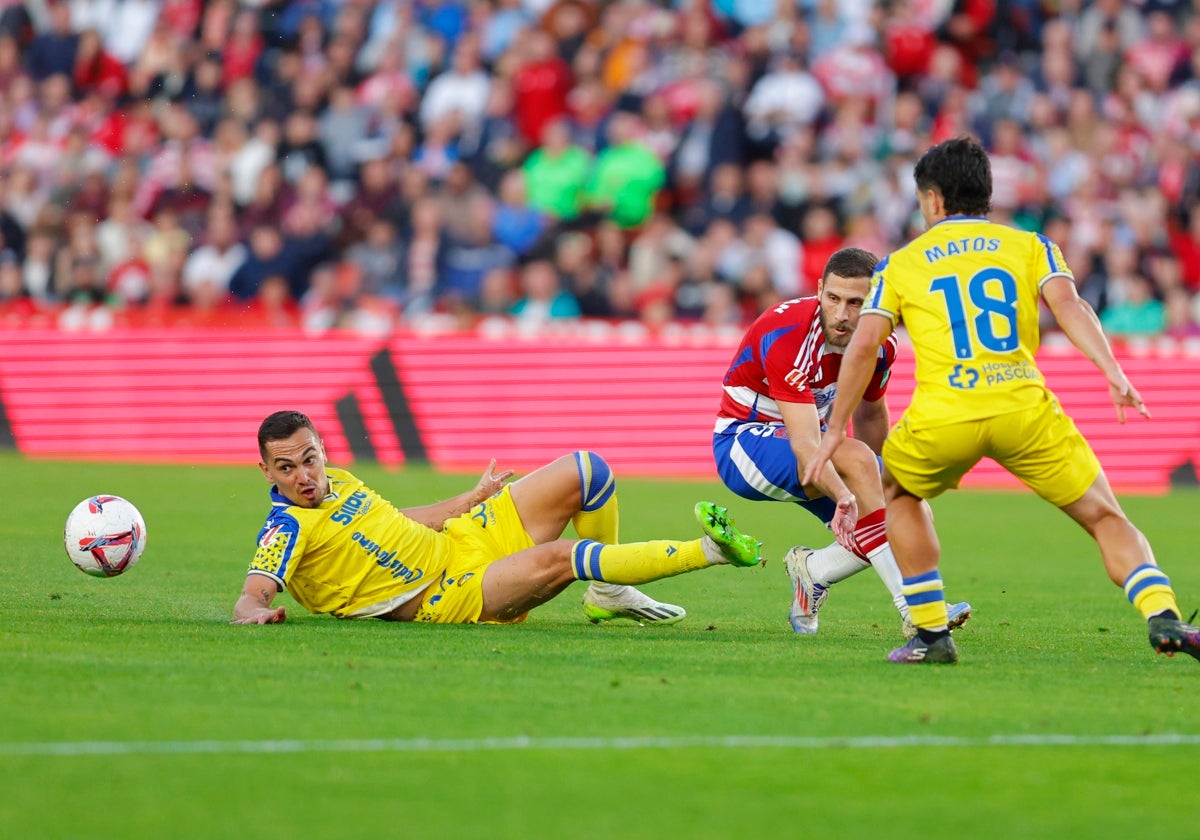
x=783, y=358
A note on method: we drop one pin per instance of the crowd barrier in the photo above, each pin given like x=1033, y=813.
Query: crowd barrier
x=455, y=400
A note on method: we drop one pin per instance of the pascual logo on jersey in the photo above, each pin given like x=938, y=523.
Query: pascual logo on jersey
x=268, y=536
x=358, y=504
x=964, y=378
x=997, y=372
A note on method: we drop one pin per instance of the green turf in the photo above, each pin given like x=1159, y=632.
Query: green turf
x=147, y=661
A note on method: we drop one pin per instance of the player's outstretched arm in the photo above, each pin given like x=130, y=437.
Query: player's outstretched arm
x=1078, y=320
x=489, y=484
x=254, y=606
x=858, y=366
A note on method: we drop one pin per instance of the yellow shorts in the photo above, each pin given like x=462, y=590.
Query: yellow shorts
x=481, y=536
x=1040, y=446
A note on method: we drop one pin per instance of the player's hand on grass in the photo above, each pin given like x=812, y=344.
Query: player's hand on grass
x=266, y=615
x=1124, y=395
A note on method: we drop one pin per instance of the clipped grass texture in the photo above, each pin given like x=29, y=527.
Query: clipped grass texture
x=131, y=708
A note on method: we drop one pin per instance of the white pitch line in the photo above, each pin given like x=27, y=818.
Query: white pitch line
x=470, y=745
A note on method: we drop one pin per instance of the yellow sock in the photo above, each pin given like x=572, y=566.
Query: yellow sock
x=600, y=525
x=597, y=518
x=635, y=563
x=1150, y=592
x=926, y=601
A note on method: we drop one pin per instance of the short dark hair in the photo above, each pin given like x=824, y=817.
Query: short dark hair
x=850, y=262
x=960, y=171
x=280, y=426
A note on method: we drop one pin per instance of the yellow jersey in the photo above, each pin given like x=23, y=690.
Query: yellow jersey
x=355, y=554
x=967, y=291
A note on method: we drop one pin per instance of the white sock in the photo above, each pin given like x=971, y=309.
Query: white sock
x=612, y=590
x=712, y=552
x=885, y=566
x=832, y=563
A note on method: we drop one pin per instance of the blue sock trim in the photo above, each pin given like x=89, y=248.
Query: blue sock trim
x=924, y=597
x=596, y=482
x=925, y=578
x=1143, y=576
x=585, y=560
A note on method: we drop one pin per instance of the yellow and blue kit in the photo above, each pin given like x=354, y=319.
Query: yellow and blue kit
x=352, y=555
x=983, y=280
x=968, y=291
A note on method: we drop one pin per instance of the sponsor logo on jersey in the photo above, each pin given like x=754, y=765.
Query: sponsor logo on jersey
x=272, y=549
x=358, y=504
x=964, y=378
x=268, y=536
x=386, y=559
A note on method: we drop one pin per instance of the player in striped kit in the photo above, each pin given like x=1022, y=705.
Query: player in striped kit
x=777, y=393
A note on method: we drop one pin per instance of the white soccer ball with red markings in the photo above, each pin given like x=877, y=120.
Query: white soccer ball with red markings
x=105, y=536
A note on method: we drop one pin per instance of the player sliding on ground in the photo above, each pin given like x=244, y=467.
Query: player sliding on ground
x=967, y=289
x=489, y=555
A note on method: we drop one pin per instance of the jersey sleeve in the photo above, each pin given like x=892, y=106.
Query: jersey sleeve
x=877, y=387
x=882, y=300
x=279, y=544
x=1048, y=262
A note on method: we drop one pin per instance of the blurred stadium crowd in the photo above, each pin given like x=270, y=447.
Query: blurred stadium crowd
x=368, y=165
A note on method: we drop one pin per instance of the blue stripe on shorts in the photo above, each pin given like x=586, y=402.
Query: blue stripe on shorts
x=755, y=461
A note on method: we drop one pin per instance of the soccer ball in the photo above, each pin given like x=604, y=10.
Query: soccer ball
x=104, y=536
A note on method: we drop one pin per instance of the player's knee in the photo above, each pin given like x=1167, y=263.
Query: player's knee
x=854, y=457
x=1098, y=510
x=596, y=481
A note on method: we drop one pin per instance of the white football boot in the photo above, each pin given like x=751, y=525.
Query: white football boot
x=807, y=594
x=607, y=601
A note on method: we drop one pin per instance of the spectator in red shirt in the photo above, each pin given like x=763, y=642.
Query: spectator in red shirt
x=821, y=233
x=241, y=51
x=1185, y=243
x=181, y=16
x=908, y=42
x=540, y=85
x=95, y=68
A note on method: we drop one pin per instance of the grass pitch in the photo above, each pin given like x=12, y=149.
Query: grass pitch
x=131, y=708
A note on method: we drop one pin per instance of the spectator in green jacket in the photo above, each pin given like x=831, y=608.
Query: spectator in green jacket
x=556, y=173
x=627, y=176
